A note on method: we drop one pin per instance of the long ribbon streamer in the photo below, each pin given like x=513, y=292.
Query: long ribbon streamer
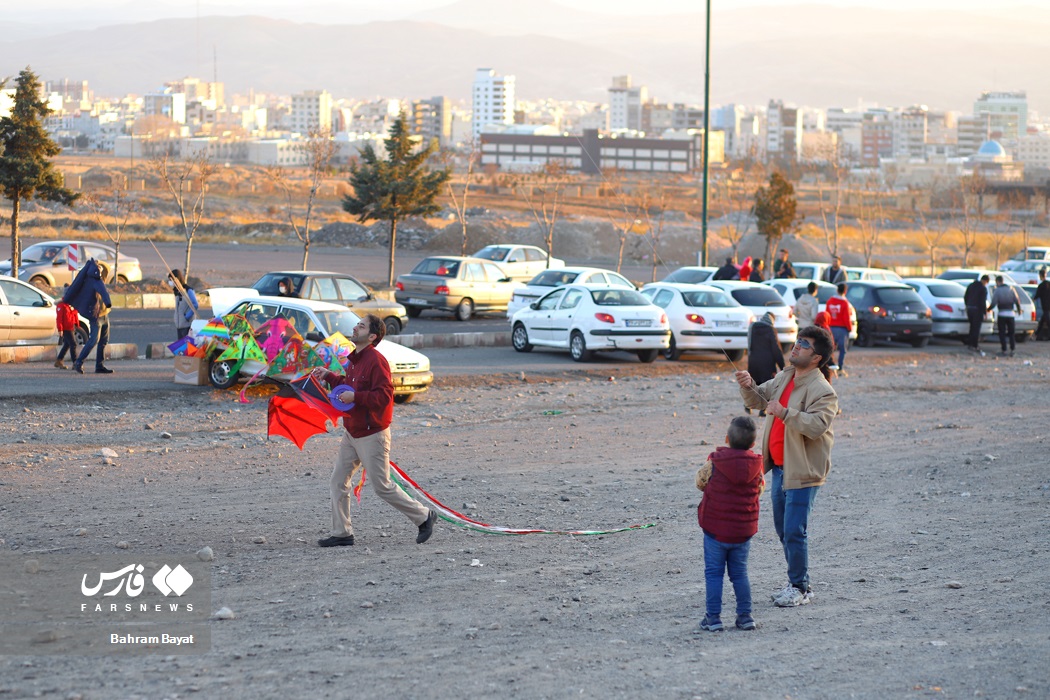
x=405, y=482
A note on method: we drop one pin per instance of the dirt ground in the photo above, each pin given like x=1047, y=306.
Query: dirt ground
x=929, y=545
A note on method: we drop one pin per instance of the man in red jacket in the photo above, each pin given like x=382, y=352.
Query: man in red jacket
x=366, y=443
x=838, y=309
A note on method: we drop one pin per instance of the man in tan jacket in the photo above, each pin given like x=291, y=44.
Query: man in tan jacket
x=796, y=448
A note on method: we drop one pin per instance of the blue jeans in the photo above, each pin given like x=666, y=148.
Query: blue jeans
x=841, y=336
x=719, y=556
x=791, y=510
x=100, y=336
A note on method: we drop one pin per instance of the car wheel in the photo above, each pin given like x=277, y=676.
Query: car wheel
x=519, y=338
x=81, y=334
x=578, y=347
x=735, y=355
x=403, y=398
x=121, y=279
x=864, y=338
x=40, y=282
x=465, y=310
x=413, y=311
x=648, y=356
x=920, y=342
x=671, y=352
x=221, y=374
x=393, y=326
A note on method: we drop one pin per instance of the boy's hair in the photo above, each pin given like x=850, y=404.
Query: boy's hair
x=811, y=287
x=741, y=433
x=822, y=342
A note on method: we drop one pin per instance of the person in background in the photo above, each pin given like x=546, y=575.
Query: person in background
x=835, y=274
x=185, y=303
x=66, y=320
x=838, y=309
x=744, y=273
x=728, y=271
x=758, y=273
x=764, y=356
x=976, y=300
x=782, y=267
x=732, y=482
x=285, y=288
x=807, y=306
x=1005, y=299
x=1042, y=295
x=89, y=296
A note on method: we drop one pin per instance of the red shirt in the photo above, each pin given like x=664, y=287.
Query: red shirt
x=776, y=432
x=369, y=376
x=838, y=309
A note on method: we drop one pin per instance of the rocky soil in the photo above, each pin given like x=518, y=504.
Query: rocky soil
x=929, y=545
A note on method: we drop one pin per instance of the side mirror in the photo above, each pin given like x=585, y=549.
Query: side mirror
x=534, y=305
x=314, y=336
x=506, y=279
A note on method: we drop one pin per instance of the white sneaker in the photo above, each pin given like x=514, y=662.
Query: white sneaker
x=793, y=598
x=787, y=588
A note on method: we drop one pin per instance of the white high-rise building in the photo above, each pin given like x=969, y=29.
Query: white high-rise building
x=625, y=104
x=1008, y=112
x=493, y=100
x=311, y=110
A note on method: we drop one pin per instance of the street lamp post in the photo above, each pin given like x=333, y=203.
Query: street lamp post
x=707, y=125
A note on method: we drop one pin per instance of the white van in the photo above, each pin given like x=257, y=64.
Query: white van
x=1029, y=253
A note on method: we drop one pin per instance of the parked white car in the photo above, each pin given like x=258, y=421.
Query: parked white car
x=1041, y=253
x=315, y=321
x=947, y=307
x=760, y=298
x=691, y=274
x=28, y=316
x=702, y=318
x=791, y=289
x=808, y=271
x=520, y=262
x=1026, y=271
x=1026, y=321
x=589, y=318
x=870, y=274
x=549, y=279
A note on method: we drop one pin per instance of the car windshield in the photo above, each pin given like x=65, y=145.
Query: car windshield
x=492, y=252
x=709, y=299
x=553, y=278
x=824, y=292
x=958, y=275
x=686, y=276
x=268, y=283
x=41, y=251
x=946, y=290
x=757, y=296
x=441, y=267
x=892, y=296
x=618, y=297
x=338, y=321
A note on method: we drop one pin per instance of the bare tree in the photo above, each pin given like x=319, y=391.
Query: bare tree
x=738, y=198
x=319, y=149
x=459, y=201
x=968, y=211
x=181, y=178
x=933, y=233
x=117, y=208
x=550, y=186
x=870, y=218
x=653, y=206
x=833, y=188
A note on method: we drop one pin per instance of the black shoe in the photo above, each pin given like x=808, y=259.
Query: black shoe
x=335, y=541
x=102, y=369
x=427, y=528
x=78, y=368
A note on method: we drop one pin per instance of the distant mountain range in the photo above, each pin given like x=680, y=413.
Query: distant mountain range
x=806, y=54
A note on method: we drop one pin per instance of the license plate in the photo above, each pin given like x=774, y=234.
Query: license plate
x=637, y=323
x=418, y=302
x=908, y=317
x=727, y=324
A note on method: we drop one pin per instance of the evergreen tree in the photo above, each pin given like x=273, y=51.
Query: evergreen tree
x=775, y=211
x=26, y=170
x=399, y=186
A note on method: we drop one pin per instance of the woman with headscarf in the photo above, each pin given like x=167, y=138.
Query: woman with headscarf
x=745, y=269
x=764, y=356
x=185, y=303
x=285, y=288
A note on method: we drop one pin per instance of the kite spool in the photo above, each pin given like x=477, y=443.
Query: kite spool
x=333, y=399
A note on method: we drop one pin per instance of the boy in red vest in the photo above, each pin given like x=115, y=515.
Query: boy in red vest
x=732, y=481
x=66, y=322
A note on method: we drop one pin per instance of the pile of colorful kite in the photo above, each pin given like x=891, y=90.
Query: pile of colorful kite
x=274, y=349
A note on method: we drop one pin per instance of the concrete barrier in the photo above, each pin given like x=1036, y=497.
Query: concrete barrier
x=152, y=301
x=48, y=353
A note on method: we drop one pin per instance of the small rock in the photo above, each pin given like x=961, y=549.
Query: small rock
x=224, y=613
x=367, y=604
x=704, y=442
x=80, y=532
x=149, y=426
x=107, y=452
x=123, y=544
x=45, y=636
x=326, y=615
x=938, y=643
x=32, y=566
x=476, y=562
x=563, y=498
x=165, y=435
x=205, y=554
x=990, y=458
x=258, y=539
x=108, y=461
x=954, y=584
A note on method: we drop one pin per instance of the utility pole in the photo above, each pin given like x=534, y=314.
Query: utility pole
x=707, y=133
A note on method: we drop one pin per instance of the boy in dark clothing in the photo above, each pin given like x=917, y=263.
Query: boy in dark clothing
x=88, y=295
x=732, y=482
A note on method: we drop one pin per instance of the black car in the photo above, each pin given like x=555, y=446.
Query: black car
x=889, y=311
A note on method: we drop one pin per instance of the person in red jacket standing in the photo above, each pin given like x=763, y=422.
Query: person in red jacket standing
x=731, y=481
x=66, y=321
x=368, y=386
x=841, y=323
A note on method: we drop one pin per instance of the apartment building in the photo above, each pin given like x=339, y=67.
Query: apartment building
x=625, y=104
x=1034, y=150
x=165, y=104
x=876, y=137
x=311, y=110
x=492, y=99
x=909, y=132
x=1007, y=112
x=783, y=136
x=971, y=132
x=432, y=119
